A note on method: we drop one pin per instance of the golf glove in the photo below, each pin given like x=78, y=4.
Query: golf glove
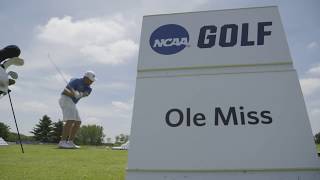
x=78, y=94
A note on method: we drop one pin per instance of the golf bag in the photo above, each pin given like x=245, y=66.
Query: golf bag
x=8, y=56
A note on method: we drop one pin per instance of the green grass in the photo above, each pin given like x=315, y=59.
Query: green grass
x=45, y=162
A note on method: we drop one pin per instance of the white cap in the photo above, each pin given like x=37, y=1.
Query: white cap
x=90, y=75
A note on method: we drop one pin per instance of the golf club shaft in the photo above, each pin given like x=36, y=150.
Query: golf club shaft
x=14, y=116
x=57, y=69
x=60, y=72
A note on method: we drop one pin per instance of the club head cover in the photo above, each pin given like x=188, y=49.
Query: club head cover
x=9, y=52
x=13, y=61
x=13, y=74
x=4, y=81
x=12, y=82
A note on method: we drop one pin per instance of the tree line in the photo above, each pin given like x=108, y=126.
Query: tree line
x=9, y=136
x=47, y=131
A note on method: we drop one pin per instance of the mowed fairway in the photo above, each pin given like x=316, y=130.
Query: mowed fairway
x=48, y=162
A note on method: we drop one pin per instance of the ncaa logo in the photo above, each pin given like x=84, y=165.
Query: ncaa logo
x=169, y=39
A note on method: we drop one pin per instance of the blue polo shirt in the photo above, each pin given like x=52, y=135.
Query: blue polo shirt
x=78, y=85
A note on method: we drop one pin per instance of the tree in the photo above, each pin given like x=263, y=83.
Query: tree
x=56, y=131
x=109, y=140
x=317, y=138
x=4, y=131
x=43, y=130
x=13, y=137
x=90, y=134
x=121, y=139
x=117, y=139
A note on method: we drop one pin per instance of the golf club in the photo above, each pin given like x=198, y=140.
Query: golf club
x=57, y=69
x=15, y=120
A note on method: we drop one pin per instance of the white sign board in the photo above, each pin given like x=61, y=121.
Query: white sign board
x=215, y=38
x=216, y=92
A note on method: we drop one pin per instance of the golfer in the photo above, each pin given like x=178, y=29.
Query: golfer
x=74, y=91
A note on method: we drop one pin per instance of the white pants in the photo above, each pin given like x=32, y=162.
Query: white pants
x=69, y=109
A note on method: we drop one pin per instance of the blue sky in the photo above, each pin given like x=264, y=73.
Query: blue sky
x=104, y=36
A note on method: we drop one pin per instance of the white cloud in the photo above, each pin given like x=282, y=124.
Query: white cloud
x=311, y=89
x=115, y=117
x=87, y=31
x=160, y=7
x=92, y=120
x=121, y=106
x=310, y=85
x=314, y=114
x=100, y=40
x=31, y=106
x=315, y=71
x=313, y=45
x=112, y=86
x=55, y=81
x=115, y=53
x=35, y=105
x=116, y=109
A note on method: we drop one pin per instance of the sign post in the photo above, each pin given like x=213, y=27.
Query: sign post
x=217, y=97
